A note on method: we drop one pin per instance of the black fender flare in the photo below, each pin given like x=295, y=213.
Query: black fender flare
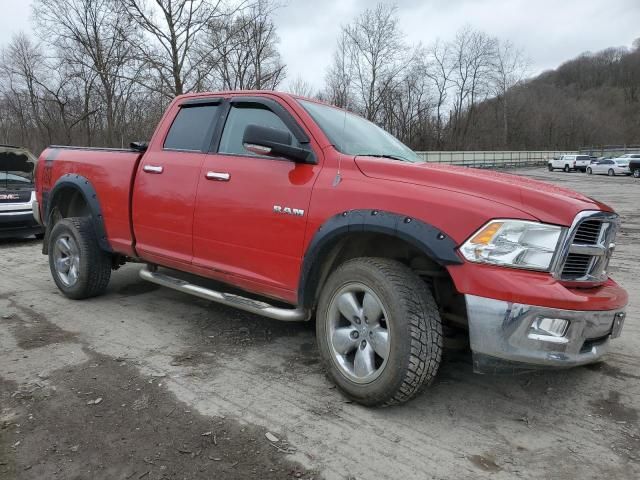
x=88, y=192
x=425, y=237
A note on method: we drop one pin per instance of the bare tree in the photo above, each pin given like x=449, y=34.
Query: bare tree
x=175, y=28
x=473, y=55
x=241, y=50
x=96, y=35
x=438, y=68
x=338, y=82
x=510, y=68
x=299, y=86
x=377, y=56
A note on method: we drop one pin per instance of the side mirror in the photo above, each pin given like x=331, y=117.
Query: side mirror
x=139, y=146
x=274, y=143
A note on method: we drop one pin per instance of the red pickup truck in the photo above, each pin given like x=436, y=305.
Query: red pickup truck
x=306, y=211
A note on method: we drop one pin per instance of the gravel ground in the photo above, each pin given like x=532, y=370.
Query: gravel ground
x=148, y=383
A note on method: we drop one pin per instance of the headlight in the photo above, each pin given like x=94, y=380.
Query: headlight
x=514, y=243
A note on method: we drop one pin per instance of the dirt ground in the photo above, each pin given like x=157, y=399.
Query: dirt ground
x=148, y=383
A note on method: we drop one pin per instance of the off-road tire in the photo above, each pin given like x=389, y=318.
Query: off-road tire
x=416, y=331
x=95, y=263
x=566, y=169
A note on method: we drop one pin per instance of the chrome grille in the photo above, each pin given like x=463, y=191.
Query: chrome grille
x=588, y=232
x=588, y=246
x=576, y=265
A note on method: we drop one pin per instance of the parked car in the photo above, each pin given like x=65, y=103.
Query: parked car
x=568, y=163
x=316, y=212
x=17, y=193
x=634, y=165
x=618, y=166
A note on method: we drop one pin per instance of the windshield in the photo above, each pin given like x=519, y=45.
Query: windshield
x=353, y=135
x=16, y=169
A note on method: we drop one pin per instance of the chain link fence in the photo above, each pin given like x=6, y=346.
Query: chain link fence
x=493, y=159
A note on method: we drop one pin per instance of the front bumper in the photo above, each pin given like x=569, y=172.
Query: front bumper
x=503, y=336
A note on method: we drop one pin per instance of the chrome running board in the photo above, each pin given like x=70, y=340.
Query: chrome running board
x=229, y=299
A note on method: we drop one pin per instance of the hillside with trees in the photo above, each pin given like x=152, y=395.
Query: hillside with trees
x=101, y=72
x=588, y=101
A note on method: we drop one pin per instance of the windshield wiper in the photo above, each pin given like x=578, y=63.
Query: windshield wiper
x=386, y=155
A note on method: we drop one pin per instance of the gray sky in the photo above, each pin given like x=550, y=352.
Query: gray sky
x=549, y=31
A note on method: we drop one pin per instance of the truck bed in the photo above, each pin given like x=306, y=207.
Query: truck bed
x=111, y=171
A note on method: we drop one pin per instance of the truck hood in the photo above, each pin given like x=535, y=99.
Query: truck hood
x=548, y=203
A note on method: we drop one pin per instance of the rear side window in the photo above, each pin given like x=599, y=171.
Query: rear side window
x=242, y=115
x=192, y=128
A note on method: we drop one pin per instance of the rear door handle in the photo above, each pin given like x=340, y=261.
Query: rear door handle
x=153, y=168
x=219, y=176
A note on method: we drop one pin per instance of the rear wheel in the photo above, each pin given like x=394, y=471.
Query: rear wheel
x=611, y=173
x=80, y=268
x=379, y=331
x=566, y=168
x=589, y=171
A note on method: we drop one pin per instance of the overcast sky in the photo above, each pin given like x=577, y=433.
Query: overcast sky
x=549, y=31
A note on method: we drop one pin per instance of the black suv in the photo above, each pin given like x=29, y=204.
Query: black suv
x=634, y=163
x=17, y=193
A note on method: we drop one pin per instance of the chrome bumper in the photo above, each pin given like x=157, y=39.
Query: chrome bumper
x=504, y=334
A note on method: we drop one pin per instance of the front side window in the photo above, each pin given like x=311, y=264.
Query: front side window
x=192, y=128
x=242, y=115
x=353, y=135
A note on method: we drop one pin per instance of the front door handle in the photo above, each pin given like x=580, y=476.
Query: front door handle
x=153, y=168
x=219, y=176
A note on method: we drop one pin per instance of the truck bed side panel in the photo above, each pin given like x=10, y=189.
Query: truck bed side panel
x=111, y=174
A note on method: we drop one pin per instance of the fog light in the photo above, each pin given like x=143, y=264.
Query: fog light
x=549, y=329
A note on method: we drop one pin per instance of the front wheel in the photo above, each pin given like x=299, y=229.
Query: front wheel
x=636, y=173
x=80, y=268
x=379, y=331
x=589, y=171
x=611, y=173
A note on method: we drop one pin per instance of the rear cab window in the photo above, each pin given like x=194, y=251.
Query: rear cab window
x=192, y=129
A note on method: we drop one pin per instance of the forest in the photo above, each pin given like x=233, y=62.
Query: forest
x=101, y=73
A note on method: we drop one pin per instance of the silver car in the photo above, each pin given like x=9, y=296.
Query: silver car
x=611, y=167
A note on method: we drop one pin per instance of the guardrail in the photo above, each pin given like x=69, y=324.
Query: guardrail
x=492, y=159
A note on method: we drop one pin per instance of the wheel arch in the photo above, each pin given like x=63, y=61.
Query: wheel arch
x=371, y=233
x=74, y=196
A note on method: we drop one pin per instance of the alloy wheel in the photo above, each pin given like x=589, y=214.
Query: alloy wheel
x=358, y=333
x=66, y=256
